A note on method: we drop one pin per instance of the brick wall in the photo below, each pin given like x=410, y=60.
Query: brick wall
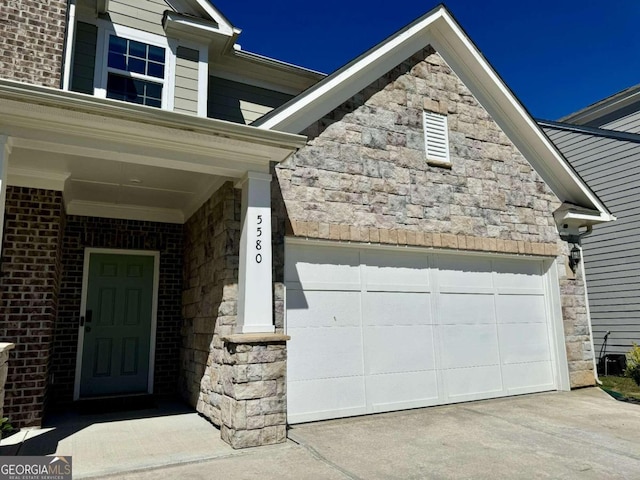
x=32, y=40
x=29, y=285
x=211, y=250
x=81, y=232
x=363, y=177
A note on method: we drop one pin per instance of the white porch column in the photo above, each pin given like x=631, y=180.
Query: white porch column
x=255, y=284
x=5, y=150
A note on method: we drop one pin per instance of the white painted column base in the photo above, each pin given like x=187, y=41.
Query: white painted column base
x=255, y=297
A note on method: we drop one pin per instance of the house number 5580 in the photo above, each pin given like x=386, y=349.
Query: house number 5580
x=259, y=241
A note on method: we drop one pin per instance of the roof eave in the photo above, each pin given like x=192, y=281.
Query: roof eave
x=38, y=95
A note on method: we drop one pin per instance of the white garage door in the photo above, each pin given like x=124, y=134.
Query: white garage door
x=376, y=330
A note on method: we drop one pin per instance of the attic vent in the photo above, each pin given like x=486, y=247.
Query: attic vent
x=436, y=138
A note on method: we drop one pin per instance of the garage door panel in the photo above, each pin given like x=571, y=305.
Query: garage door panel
x=392, y=272
x=518, y=274
x=456, y=309
x=325, y=398
x=314, y=308
x=396, y=308
x=464, y=271
x=319, y=266
x=398, y=391
x=464, y=384
x=376, y=330
x=315, y=353
x=528, y=377
x=521, y=309
x=514, y=350
x=399, y=349
x=469, y=346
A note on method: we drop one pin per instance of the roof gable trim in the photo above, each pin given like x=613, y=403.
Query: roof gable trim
x=440, y=30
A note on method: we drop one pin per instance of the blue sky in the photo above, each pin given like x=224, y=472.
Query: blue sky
x=557, y=56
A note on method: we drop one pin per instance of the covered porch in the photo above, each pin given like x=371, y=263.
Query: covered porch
x=134, y=259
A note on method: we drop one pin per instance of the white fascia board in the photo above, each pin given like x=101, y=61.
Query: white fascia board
x=441, y=31
x=175, y=24
x=23, y=177
x=604, y=107
x=338, y=87
x=272, y=62
x=107, y=111
x=225, y=26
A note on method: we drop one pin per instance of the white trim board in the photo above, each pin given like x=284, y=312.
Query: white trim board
x=83, y=310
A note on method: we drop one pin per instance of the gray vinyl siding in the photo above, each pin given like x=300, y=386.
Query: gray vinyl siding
x=145, y=15
x=241, y=103
x=84, y=58
x=186, y=90
x=611, y=167
x=628, y=123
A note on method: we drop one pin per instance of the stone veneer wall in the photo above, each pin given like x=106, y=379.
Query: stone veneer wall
x=32, y=41
x=211, y=249
x=363, y=177
x=81, y=232
x=29, y=287
x=236, y=381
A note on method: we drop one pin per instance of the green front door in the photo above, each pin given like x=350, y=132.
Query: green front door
x=117, y=325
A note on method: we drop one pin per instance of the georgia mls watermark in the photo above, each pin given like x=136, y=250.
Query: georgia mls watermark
x=35, y=468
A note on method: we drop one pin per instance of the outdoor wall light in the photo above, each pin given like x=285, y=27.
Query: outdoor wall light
x=574, y=258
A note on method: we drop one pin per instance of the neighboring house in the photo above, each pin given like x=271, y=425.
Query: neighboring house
x=390, y=236
x=602, y=142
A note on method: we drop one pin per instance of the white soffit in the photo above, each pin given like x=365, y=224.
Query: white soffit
x=439, y=29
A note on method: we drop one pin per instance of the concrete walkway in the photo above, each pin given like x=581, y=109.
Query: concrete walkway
x=578, y=435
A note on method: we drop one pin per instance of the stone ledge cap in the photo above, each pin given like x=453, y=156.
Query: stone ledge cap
x=256, y=338
x=5, y=347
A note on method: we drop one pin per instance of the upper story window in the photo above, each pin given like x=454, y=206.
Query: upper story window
x=135, y=71
x=132, y=65
x=436, y=139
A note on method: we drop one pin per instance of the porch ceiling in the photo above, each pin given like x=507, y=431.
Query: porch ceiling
x=125, y=161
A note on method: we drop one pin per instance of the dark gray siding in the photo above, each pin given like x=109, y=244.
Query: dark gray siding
x=84, y=58
x=611, y=167
x=241, y=103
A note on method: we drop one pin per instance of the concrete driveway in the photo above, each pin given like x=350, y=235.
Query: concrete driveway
x=582, y=434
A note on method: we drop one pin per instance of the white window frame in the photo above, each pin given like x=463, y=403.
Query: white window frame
x=437, y=159
x=101, y=72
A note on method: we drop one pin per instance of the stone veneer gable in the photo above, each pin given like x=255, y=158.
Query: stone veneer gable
x=363, y=177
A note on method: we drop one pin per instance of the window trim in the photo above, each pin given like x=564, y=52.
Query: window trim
x=102, y=70
x=437, y=160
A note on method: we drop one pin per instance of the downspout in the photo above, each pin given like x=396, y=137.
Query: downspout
x=586, y=302
x=68, y=45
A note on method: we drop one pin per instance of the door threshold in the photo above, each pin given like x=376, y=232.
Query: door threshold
x=115, y=403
